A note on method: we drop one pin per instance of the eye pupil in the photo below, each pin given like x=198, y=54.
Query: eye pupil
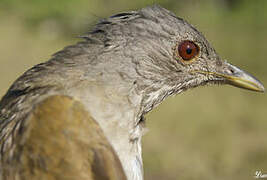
x=188, y=50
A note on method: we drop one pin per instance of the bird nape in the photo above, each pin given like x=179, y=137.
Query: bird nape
x=124, y=67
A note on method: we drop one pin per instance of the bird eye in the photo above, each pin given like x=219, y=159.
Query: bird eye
x=188, y=50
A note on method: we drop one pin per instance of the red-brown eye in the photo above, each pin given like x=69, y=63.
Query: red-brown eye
x=188, y=50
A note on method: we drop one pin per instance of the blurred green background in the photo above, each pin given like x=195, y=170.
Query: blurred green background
x=207, y=133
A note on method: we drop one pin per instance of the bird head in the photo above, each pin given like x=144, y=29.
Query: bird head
x=162, y=54
x=170, y=55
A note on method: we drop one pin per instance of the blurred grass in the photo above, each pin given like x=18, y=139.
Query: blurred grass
x=206, y=133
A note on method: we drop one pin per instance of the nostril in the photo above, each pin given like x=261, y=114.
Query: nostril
x=232, y=71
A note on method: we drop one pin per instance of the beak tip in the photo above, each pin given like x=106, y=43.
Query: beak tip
x=259, y=86
x=262, y=89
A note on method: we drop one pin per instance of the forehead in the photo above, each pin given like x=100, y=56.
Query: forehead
x=178, y=28
x=152, y=25
x=169, y=22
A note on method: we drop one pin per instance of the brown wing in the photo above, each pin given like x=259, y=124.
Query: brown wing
x=60, y=140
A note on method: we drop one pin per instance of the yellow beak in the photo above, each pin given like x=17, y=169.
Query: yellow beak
x=239, y=78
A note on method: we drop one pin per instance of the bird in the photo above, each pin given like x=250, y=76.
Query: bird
x=126, y=65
